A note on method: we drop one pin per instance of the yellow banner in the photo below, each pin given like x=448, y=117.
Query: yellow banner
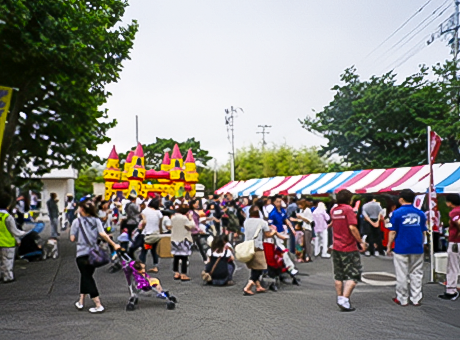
x=5, y=100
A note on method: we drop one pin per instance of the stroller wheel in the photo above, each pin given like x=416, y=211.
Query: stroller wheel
x=173, y=298
x=170, y=305
x=130, y=307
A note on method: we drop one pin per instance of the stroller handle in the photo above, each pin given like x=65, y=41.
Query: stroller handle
x=123, y=254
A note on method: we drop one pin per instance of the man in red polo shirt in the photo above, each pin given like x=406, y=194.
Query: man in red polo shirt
x=453, y=253
x=345, y=254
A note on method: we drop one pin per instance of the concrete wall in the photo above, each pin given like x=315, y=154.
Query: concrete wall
x=61, y=187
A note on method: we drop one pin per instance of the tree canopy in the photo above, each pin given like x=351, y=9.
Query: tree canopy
x=283, y=160
x=154, y=152
x=59, y=55
x=382, y=123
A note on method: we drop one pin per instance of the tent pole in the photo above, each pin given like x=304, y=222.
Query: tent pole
x=430, y=226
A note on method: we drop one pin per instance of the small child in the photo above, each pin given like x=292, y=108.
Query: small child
x=152, y=282
x=299, y=245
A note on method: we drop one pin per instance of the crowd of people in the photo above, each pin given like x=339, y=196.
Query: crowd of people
x=282, y=230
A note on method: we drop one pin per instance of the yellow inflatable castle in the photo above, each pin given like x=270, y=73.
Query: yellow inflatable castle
x=175, y=178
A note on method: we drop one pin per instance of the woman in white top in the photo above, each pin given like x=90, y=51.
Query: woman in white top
x=306, y=217
x=151, y=221
x=255, y=228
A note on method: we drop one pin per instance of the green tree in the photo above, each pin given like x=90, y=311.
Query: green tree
x=154, y=152
x=380, y=123
x=85, y=180
x=283, y=160
x=60, y=55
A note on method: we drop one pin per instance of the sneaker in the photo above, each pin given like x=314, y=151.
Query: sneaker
x=376, y=254
x=367, y=253
x=395, y=300
x=78, y=305
x=451, y=297
x=326, y=256
x=346, y=309
x=95, y=310
x=230, y=283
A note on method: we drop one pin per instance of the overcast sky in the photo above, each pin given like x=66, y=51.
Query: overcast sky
x=277, y=60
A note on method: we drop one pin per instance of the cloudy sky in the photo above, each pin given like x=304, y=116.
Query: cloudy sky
x=276, y=59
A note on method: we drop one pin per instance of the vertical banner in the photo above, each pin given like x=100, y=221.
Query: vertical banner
x=434, y=143
x=418, y=203
x=5, y=100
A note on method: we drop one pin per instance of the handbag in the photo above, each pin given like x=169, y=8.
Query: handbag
x=98, y=257
x=245, y=251
x=152, y=238
x=208, y=276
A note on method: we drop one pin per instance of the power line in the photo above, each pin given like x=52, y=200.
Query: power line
x=416, y=33
x=399, y=28
x=414, y=29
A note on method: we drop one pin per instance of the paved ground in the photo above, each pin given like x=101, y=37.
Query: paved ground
x=40, y=306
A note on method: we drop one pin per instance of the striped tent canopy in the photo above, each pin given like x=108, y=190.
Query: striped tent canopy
x=446, y=180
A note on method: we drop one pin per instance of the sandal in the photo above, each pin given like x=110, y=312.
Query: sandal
x=245, y=293
x=261, y=290
x=177, y=276
x=184, y=277
x=153, y=270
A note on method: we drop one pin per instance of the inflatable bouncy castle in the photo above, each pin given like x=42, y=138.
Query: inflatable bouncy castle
x=176, y=177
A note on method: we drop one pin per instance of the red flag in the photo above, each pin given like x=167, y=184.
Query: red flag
x=433, y=215
x=435, y=144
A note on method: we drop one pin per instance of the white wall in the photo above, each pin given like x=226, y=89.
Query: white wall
x=61, y=187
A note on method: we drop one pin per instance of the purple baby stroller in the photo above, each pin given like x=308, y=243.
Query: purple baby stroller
x=140, y=286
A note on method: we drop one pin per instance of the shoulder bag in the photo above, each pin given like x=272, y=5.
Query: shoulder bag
x=208, y=276
x=98, y=257
x=245, y=251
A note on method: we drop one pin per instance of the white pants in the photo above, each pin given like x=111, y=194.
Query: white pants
x=286, y=259
x=6, y=263
x=408, y=268
x=321, y=241
x=453, y=263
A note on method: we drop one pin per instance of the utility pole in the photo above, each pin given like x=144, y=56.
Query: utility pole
x=137, y=131
x=230, y=115
x=451, y=26
x=263, y=132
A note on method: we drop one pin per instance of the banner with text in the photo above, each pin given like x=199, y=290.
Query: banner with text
x=5, y=100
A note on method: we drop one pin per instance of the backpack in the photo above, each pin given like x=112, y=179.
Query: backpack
x=233, y=222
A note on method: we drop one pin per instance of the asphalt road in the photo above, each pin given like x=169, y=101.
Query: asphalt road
x=39, y=305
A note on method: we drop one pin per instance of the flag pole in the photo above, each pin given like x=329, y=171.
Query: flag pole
x=429, y=219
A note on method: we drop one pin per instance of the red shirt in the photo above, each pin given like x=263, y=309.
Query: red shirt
x=453, y=227
x=342, y=217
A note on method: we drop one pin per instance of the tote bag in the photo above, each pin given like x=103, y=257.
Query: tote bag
x=245, y=251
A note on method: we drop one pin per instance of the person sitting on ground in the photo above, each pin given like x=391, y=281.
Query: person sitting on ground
x=218, y=263
x=146, y=280
x=9, y=238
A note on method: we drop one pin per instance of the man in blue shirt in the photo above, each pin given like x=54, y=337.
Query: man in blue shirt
x=408, y=229
x=278, y=217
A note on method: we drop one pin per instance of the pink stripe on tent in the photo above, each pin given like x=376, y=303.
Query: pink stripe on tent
x=267, y=192
x=403, y=179
x=285, y=192
x=352, y=181
x=377, y=181
x=228, y=186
